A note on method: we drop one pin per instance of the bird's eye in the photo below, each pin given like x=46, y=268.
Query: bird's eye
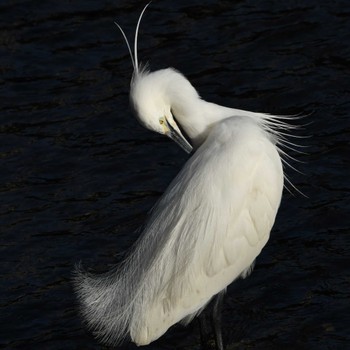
x=161, y=121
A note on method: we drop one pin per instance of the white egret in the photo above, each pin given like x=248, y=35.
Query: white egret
x=210, y=224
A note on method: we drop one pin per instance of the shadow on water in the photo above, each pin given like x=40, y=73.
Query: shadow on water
x=78, y=173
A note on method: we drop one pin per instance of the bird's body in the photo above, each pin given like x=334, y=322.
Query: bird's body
x=212, y=223
x=208, y=227
x=206, y=230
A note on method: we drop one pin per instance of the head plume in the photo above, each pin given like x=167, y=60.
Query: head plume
x=134, y=57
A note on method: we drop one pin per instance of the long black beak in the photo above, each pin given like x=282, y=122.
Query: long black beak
x=177, y=136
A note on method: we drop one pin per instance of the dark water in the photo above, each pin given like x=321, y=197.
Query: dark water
x=78, y=173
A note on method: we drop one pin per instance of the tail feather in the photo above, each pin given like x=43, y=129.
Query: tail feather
x=103, y=305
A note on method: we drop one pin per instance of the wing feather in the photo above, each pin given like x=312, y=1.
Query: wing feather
x=206, y=230
x=226, y=198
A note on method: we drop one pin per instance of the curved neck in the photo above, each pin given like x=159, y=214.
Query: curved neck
x=197, y=117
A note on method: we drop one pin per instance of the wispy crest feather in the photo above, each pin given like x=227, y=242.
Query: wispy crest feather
x=133, y=56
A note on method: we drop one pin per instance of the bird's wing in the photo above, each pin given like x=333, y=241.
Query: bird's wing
x=209, y=226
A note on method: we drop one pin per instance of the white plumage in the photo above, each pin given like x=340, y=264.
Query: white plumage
x=208, y=227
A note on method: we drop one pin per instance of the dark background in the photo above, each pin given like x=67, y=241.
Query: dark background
x=78, y=174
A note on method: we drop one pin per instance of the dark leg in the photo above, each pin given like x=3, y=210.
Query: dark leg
x=216, y=320
x=204, y=330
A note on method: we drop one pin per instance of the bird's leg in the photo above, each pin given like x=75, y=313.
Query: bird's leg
x=216, y=320
x=204, y=330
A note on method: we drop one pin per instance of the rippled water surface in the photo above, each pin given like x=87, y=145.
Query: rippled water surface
x=78, y=174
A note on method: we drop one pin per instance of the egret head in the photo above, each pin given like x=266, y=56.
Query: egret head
x=150, y=97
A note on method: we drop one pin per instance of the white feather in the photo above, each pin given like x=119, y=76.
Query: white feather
x=206, y=231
